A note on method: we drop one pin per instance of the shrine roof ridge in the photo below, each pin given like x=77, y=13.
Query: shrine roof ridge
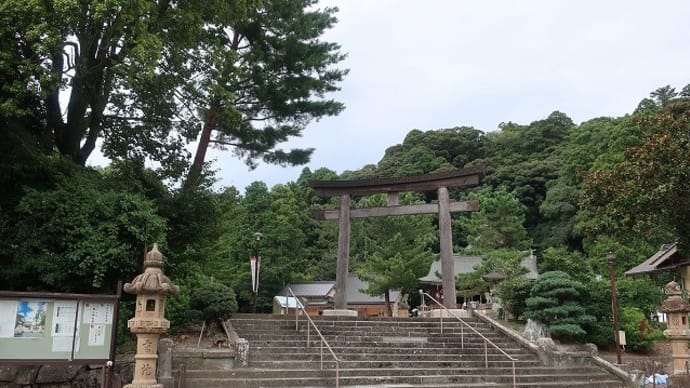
x=464, y=177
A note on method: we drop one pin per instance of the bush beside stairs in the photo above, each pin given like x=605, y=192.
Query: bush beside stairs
x=386, y=352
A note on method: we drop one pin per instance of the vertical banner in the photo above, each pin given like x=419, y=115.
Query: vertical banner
x=255, y=262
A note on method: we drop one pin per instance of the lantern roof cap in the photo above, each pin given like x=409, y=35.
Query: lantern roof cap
x=152, y=280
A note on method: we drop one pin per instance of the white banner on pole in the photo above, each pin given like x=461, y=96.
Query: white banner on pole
x=256, y=267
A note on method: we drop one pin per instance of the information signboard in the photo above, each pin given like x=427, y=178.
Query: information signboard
x=56, y=328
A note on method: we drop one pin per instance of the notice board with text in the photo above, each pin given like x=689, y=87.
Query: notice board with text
x=64, y=328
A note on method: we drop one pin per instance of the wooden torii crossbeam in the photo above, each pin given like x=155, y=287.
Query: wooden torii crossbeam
x=462, y=178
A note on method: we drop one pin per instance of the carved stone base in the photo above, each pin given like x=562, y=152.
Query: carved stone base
x=143, y=386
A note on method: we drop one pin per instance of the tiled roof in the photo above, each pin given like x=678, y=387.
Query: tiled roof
x=354, y=293
x=666, y=258
x=356, y=296
x=463, y=264
x=310, y=289
x=467, y=264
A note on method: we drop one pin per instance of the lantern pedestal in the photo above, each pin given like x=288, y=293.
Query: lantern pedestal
x=149, y=321
x=678, y=329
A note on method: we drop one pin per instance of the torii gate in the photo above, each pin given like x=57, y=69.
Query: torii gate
x=467, y=177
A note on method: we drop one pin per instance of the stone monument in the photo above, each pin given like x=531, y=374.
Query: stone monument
x=149, y=321
x=678, y=331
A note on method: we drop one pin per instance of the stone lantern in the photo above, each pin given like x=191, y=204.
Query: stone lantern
x=149, y=321
x=678, y=331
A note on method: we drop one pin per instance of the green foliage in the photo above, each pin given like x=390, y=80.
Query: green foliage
x=499, y=222
x=262, y=79
x=103, y=45
x=640, y=334
x=188, y=276
x=645, y=193
x=79, y=234
x=431, y=151
x=392, y=252
x=557, y=300
x=126, y=340
x=580, y=150
x=514, y=293
x=513, y=290
x=292, y=246
x=211, y=302
x=523, y=158
x=599, y=305
x=158, y=69
x=573, y=263
x=194, y=218
x=640, y=293
x=471, y=284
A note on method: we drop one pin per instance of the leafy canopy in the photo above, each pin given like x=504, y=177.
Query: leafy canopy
x=647, y=191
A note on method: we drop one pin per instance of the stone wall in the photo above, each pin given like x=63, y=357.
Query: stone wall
x=63, y=376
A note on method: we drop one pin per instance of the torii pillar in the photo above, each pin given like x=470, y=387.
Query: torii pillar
x=440, y=182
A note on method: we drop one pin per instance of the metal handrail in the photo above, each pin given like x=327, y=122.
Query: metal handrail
x=311, y=323
x=462, y=335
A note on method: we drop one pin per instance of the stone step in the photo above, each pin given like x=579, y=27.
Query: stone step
x=366, y=329
x=410, y=345
x=333, y=318
x=355, y=347
x=429, y=348
x=270, y=373
x=373, y=337
x=478, y=380
x=383, y=342
x=400, y=364
x=426, y=323
x=378, y=341
x=389, y=352
x=289, y=333
x=381, y=358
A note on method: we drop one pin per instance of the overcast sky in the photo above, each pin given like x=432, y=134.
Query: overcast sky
x=439, y=64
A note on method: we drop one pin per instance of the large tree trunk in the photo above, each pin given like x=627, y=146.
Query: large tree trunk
x=194, y=175
x=76, y=135
x=197, y=167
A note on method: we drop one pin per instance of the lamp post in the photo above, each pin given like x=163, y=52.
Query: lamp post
x=255, y=262
x=614, y=304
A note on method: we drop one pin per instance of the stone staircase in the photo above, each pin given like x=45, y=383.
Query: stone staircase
x=386, y=352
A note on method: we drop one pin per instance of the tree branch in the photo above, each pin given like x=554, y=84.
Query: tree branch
x=225, y=143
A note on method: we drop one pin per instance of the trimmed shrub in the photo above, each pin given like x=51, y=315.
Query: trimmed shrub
x=555, y=300
x=213, y=302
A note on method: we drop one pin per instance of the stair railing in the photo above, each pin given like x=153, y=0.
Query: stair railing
x=310, y=323
x=487, y=341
